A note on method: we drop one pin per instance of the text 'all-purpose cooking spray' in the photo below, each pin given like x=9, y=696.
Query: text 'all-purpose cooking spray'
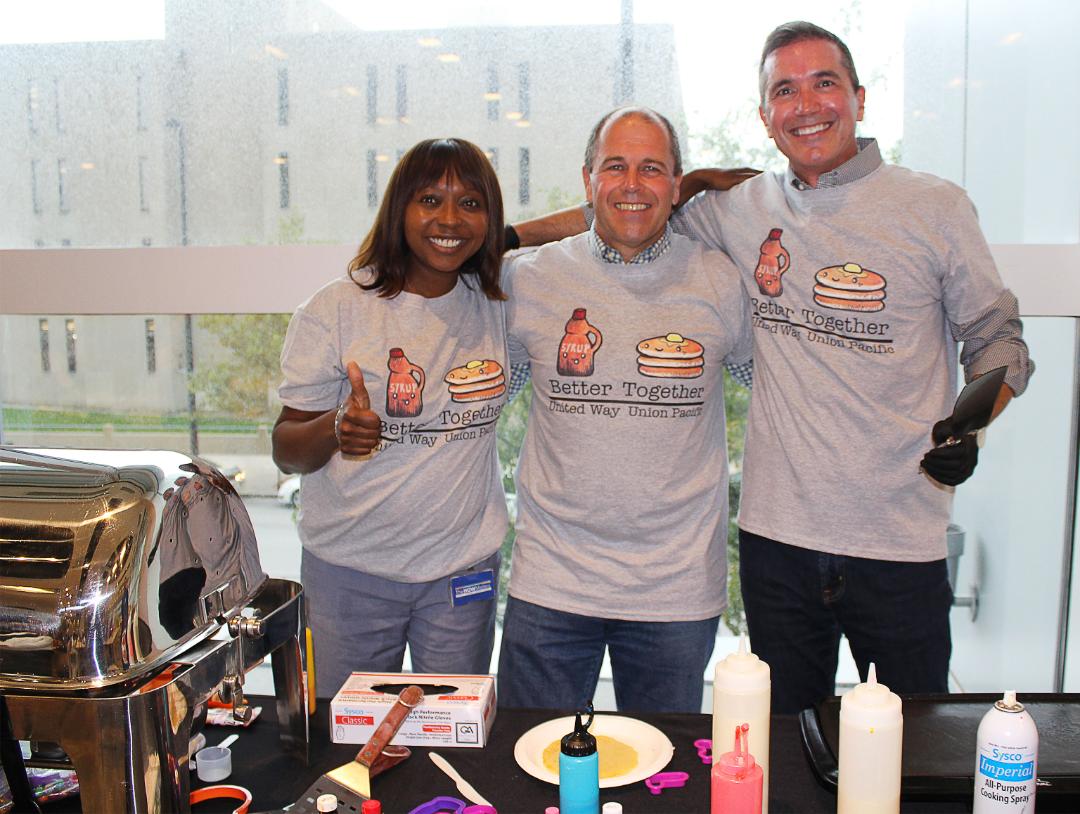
x=1007, y=759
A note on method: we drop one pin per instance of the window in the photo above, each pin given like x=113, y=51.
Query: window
x=982, y=52
x=61, y=185
x=31, y=106
x=372, y=178
x=524, y=95
x=71, y=337
x=282, y=162
x=43, y=341
x=624, y=77
x=56, y=106
x=493, y=157
x=151, y=346
x=35, y=201
x=372, y=94
x=402, y=94
x=492, y=94
x=282, y=96
x=144, y=205
x=140, y=117
x=523, y=176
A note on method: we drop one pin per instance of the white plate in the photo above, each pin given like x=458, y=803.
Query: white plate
x=653, y=748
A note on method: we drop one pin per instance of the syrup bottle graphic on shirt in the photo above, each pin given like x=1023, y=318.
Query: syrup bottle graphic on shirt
x=772, y=264
x=580, y=342
x=404, y=386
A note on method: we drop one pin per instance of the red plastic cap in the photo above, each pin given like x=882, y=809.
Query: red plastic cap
x=738, y=762
x=371, y=807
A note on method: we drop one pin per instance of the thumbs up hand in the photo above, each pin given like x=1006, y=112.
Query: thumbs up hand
x=355, y=425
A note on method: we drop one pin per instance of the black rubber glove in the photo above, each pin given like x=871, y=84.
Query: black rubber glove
x=950, y=463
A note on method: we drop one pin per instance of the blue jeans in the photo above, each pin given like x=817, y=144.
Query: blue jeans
x=798, y=602
x=551, y=659
x=361, y=622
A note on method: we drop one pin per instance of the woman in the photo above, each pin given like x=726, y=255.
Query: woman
x=393, y=382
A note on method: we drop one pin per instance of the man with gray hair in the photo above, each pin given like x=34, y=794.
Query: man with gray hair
x=622, y=482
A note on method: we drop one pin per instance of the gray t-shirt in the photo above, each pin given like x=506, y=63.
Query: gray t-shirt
x=622, y=482
x=429, y=501
x=857, y=291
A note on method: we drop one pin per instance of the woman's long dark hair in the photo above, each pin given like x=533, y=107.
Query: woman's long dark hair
x=385, y=250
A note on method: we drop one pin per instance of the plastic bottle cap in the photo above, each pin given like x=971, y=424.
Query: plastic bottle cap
x=739, y=761
x=611, y=807
x=741, y=671
x=580, y=742
x=371, y=807
x=551, y=810
x=871, y=704
x=1008, y=703
x=326, y=803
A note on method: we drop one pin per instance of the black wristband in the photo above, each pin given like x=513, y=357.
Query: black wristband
x=511, y=240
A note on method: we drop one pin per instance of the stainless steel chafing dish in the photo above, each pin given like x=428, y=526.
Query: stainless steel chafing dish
x=131, y=590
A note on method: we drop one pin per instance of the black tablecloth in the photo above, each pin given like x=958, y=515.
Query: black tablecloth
x=276, y=780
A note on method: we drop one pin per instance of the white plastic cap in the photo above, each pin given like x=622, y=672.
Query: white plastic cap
x=1008, y=703
x=871, y=703
x=326, y=803
x=611, y=807
x=741, y=672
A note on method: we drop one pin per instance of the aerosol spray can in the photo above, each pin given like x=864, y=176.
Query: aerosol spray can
x=1007, y=759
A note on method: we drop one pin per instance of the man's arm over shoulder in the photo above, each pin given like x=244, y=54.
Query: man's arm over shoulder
x=576, y=219
x=714, y=178
x=551, y=227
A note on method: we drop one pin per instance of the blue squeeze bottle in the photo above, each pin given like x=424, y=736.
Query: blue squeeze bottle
x=579, y=770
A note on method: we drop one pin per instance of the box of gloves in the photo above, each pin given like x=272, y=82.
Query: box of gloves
x=457, y=710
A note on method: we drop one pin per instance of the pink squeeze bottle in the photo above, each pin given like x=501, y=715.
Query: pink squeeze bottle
x=737, y=778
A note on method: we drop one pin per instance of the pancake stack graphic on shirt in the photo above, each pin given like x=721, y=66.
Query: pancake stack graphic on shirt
x=478, y=380
x=671, y=357
x=850, y=287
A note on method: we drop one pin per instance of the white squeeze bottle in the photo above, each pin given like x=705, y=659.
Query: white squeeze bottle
x=742, y=689
x=871, y=739
x=1006, y=762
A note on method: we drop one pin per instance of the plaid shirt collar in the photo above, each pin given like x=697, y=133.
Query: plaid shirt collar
x=604, y=253
x=858, y=166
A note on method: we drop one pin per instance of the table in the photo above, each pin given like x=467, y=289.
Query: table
x=275, y=780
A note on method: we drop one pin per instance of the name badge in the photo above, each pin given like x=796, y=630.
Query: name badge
x=472, y=587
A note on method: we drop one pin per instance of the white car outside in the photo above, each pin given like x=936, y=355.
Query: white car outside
x=288, y=494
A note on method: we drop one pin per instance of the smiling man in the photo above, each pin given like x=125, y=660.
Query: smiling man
x=622, y=483
x=866, y=280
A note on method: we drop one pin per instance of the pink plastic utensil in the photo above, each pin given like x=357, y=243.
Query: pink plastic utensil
x=666, y=780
